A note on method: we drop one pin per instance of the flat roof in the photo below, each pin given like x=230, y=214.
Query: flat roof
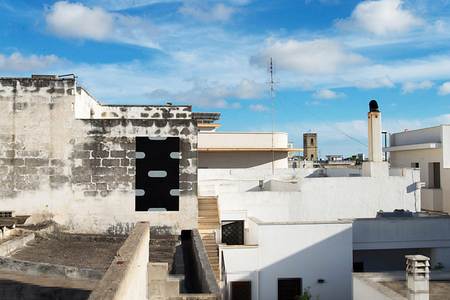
x=423, y=146
x=249, y=149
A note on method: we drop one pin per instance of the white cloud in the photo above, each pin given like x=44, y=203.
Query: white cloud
x=217, y=12
x=123, y=4
x=410, y=86
x=320, y=56
x=444, y=89
x=16, y=62
x=327, y=94
x=75, y=20
x=381, y=17
x=372, y=82
x=258, y=108
x=249, y=89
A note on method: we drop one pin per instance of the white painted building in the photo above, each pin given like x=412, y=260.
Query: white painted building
x=228, y=150
x=426, y=149
x=299, y=229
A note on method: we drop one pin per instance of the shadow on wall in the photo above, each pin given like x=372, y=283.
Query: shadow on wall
x=324, y=267
x=12, y=290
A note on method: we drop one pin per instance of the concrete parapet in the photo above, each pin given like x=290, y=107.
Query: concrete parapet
x=36, y=268
x=127, y=276
x=207, y=277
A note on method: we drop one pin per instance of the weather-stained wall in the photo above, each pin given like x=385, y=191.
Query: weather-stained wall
x=66, y=157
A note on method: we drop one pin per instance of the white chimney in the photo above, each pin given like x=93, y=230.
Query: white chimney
x=418, y=277
x=374, y=119
x=375, y=166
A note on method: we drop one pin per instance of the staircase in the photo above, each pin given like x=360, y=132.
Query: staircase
x=208, y=223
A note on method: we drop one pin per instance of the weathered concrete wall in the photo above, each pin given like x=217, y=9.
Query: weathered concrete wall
x=65, y=156
x=127, y=276
x=364, y=287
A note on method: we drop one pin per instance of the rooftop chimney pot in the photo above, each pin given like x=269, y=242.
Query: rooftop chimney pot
x=373, y=106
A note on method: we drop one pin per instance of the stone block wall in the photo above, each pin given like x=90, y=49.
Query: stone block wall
x=65, y=156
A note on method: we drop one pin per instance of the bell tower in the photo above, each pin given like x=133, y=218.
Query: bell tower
x=310, y=146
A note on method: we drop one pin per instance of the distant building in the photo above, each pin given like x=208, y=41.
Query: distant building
x=230, y=150
x=426, y=149
x=335, y=157
x=310, y=146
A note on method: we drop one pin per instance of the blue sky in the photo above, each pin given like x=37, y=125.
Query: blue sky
x=331, y=57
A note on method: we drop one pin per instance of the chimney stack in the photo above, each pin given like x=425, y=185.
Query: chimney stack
x=375, y=166
x=418, y=277
x=374, y=137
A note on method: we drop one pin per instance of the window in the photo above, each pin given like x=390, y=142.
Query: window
x=312, y=142
x=289, y=288
x=233, y=232
x=415, y=165
x=358, y=267
x=241, y=290
x=434, y=175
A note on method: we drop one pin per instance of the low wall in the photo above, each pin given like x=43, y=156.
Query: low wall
x=127, y=276
x=10, y=246
x=206, y=275
x=36, y=268
x=327, y=198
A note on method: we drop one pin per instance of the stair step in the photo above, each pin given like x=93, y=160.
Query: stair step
x=208, y=226
x=212, y=224
x=209, y=242
x=212, y=217
x=207, y=207
x=208, y=220
x=208, y=213
x=202, y=198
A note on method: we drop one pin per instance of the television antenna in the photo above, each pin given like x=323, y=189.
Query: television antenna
x=272, y=99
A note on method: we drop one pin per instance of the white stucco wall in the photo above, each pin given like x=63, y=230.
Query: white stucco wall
x=433, y=199
x=418, y=136
x=231, y=145
x=296, y=250
x=242, y=140
x=326, y=199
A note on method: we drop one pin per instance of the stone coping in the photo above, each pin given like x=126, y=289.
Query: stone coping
x=115, y=277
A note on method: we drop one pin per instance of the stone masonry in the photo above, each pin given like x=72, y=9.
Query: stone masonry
x=64, y=156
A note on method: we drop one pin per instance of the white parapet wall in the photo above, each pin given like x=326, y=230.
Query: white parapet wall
x=329, y=198
x=242, y=140
x=223, y=150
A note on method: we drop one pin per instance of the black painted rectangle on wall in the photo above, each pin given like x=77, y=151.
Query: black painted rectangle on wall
x=157, y=174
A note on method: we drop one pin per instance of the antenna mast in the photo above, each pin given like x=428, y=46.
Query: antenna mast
x=272, y=98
